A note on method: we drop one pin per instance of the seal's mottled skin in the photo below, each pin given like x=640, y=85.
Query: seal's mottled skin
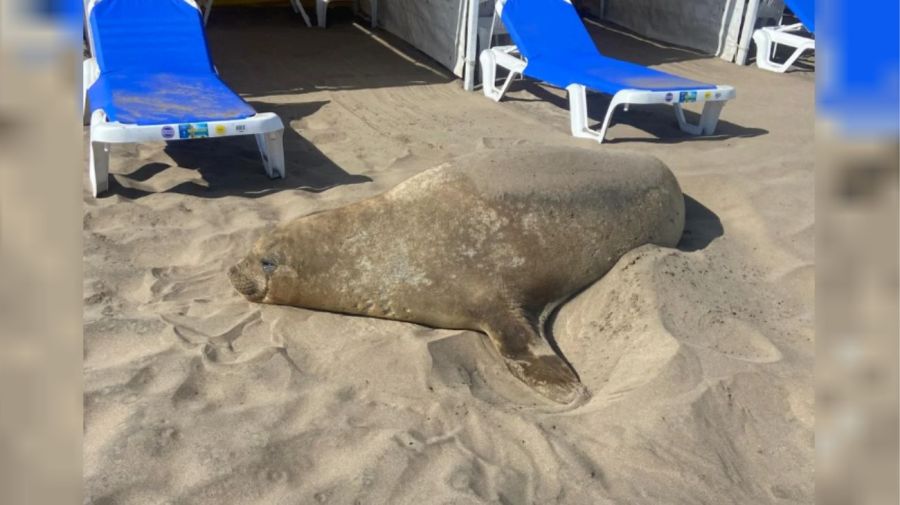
x=491, y=242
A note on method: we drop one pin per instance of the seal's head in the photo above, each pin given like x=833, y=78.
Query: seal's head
x=264, y=275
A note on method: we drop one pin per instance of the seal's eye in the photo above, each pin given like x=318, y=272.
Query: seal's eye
x=268, y=265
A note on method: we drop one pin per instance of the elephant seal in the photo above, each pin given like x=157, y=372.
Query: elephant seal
x=492, y=242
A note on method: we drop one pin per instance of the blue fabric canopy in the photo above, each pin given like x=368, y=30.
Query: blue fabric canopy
x=155, y=66
x=551, y=37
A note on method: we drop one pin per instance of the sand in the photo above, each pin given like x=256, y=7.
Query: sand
x=699, y=359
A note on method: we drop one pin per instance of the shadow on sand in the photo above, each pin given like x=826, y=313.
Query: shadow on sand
x=657, y=120
x=232, y=166
x=266, y=51
x=701, y=226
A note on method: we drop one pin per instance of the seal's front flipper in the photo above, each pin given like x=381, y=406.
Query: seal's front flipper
x=531, y=359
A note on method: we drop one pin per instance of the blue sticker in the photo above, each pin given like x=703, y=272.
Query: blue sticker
x=669, y=97
x=687, y=96
x=193, y=131
x=240, y=128
x=168, y=132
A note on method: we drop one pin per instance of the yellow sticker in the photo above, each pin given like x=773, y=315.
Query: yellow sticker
x=220, y=129
x=708, y=95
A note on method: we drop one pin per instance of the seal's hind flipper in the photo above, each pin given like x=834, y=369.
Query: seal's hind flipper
x=531, y=359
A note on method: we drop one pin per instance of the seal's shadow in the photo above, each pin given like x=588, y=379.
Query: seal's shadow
x=232, y=166
x=701, y=226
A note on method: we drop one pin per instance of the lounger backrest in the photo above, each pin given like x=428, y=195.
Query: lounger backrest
x=550, y=28
x=805, y=10
x=149, y=36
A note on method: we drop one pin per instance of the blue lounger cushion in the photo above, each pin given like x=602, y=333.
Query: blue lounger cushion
x=149, y=99
x=549, y=34
x=608, y=75
x=155, y=66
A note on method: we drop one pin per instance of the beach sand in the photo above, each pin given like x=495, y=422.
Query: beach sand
x=699, y=359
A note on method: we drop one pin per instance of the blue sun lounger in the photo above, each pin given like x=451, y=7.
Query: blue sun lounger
x=768, y=38
x=552, y=45
x=151, y=79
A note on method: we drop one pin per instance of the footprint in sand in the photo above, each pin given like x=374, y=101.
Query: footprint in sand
x=498, y=142
x=464, y=362
x=217, y=348
x=181, y=283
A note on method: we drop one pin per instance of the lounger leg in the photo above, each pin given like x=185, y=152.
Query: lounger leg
x=85, y=84
x=89, y=75
x=271, y=149
x=615, y=102
x=489, y=76
x=321, y=12
x=99, y=167
x=207, y=11
x=708, y=119
x=298, y=8
x=578, y=113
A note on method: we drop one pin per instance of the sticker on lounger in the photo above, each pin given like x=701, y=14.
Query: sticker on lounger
x=669, y=97
x=193, y=131
x=687, y=96
x=707, y=95
x=220, y=129
x=240, y=128
x=168, y=132
x=718, y=94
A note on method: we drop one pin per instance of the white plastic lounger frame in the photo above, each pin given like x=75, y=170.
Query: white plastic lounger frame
x=266, y=127
x=713, y=99
x=508, y=58
x=322, y=11
x=295, y=4
x=768, y=39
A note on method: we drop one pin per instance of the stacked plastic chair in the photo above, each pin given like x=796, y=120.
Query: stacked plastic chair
x=768, y=39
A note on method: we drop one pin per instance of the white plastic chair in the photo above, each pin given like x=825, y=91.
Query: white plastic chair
x=768, y=39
